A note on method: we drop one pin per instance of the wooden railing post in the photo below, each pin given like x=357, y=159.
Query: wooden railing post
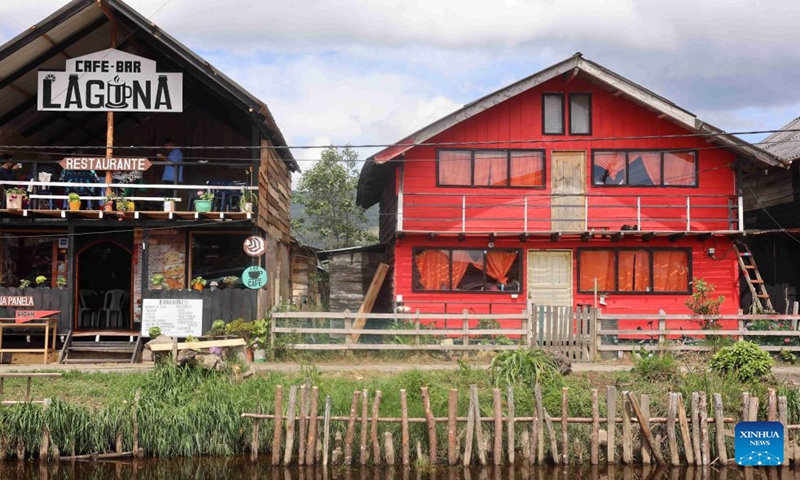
x=463, y=213
x=348, y=325
x=272, y=337
x=639, y=213
x=740, y=215
x=527, y=316
x=525, y=215
x=740, y=326
x=417, y=326
x=688, y=214
x=662, y=338
x=465, y=338
x=594, y=334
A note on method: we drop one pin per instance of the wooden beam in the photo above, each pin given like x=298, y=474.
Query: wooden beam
x=523, y=237
x=677, y=236
x=555, y=236
x=572, y=75
x=648, y=236
x=618, y=93
x=662, y=115
x=616, y=237
x=462, y=237
x=18, y=110
x=586, y=236
x=369, y=298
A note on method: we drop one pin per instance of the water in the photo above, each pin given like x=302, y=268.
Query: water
x=240, y=468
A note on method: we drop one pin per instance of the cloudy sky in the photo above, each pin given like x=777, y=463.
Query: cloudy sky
x=357, y=72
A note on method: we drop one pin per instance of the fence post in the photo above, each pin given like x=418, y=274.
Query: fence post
x=348, y=324
x=594, y=335
x=740, y=325
x=528, y=316
x=465, y=328
x=272, y=323
x=416, y=325
x=662, y=338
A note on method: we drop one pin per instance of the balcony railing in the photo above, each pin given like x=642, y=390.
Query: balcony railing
x=544, y=213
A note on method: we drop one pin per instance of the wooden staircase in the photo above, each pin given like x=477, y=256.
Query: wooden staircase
x=101, y=347
x=753, y=278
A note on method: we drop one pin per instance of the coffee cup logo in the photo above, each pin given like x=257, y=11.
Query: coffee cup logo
x=118, y=93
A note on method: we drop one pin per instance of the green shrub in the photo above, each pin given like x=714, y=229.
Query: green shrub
x=655, y=366
x=744, y=359
x=524, y=367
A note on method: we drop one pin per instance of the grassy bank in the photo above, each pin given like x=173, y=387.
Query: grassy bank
x=184, y=412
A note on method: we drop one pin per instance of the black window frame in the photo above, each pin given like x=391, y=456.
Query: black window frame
x=508, y=152
x=662, y=152
x=586, y=94
x=563, y=114
x=450, y=250
x=651, y=251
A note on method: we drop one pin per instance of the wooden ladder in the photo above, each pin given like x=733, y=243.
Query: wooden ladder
x=753, y=278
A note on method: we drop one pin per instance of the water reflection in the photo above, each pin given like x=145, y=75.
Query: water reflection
x=239, y=468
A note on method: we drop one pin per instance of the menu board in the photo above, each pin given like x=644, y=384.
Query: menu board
x=175, y=318
x=167, y=256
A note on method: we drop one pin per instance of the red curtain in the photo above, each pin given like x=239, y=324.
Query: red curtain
x=498, y=264
x=455, y=168
x=597, y=264
x=634, y=271
x=491, y=168
x=670, y=271
x=679, y=169
x=527, y=169
x=612, y=162
x=434, y=269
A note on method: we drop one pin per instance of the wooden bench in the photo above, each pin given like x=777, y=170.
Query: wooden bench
x=205, y=344
x=30, y=376
x=49, y=327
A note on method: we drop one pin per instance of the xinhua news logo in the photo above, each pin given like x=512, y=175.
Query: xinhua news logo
x=759, y=444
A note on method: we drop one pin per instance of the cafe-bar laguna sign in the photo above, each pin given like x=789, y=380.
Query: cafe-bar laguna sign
x=110, y=80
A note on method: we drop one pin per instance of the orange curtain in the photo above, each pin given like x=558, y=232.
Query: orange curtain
x=463, y=259
x=526, y=169
x=434, y=269
x=670, y=271
x=612, y=162
x=634, y=271
x=491, y=168
x=679, y=169
x=597, y=264
x=498, y=264
x=652, y=165
x=455, y=167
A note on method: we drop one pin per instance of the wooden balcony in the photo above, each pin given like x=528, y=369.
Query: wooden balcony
x=532, y=214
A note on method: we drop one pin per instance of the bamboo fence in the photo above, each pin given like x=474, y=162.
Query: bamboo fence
x=694, y=432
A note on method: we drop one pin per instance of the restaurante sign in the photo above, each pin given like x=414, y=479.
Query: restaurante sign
x=116, y=164
x=110, y=80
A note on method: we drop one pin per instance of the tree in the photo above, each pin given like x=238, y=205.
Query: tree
x=328, y=194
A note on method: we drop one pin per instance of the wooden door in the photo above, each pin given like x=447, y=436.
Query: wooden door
x=550, y=277
x=568, y=174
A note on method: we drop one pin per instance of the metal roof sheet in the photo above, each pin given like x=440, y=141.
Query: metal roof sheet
x=786, y=144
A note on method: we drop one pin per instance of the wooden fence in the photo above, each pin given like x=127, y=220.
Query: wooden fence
x=221, y=304
x=694, y=431
x=557, y=329
x=44, y=298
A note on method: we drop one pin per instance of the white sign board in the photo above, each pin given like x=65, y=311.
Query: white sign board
x=110, y=80
x=175, y=317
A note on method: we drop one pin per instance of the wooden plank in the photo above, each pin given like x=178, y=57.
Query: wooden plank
x=564, y=440
x=644, y=399
x=351, y=429
x=497, y=408
x=473, y=391
x=627, y=430
x=539, y=434
x=233, y=342
x=301, y=449
x=404, y=428
x=684, y=425
x=719, y=423
x=452, y=427
x=645, y=427
x=290, y=424
x=672, y=410
x=376, y=447
x=698, y=456
x=611, y=409
x=29, y=375
x=313, y=422
x=276, y=436
x=326, y=432
x=705, y=444
x=432, y=442
x=370, y=297
x=364, y=453
x=510, y=421
x=467, y=458
x=595, y=435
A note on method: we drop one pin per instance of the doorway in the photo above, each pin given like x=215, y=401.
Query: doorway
x=103, y=287
x=568, y=187
x=550, y=277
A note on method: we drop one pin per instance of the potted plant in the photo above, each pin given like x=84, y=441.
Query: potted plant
x=169, y=204
x=157, y=281
x=74, y=201
x=230, y=281
x=108, y=206
x=41, y=280
x=213, y=286
x=242, y=329
x=125, y=205
x=204, y=201
x=217, y=329
x=247, y=201
x=61, y=282
x=198, y=283
x=259, y=332
x=154, y=332
x=23, y=284
x=15, y=197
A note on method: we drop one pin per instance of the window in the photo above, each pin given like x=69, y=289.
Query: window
x=665, y=270
x=26, y=256
x=491, y=168
x=218, y=255
x=644, y=168
x=461, y=270
x=553, y=114
x=580, y=114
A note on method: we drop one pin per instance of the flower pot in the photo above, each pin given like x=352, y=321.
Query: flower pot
x=131, y=207
x=75, y=205
x=156, y=287
x=169, y=206
x=14, y=201
x=198, y=286
x=108, y=207
x=247, y=207
x=249, y=355
x=259, y=355
x=202, y=206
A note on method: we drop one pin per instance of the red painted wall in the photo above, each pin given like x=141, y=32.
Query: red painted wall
x=497, y=209
x=501, y=209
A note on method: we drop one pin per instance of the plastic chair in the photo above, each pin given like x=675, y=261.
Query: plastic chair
x=112, y=308
x=85, y=312
x=45, y=177
x=221, y=197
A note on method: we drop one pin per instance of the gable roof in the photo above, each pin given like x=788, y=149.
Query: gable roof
x=785, y=144
x=577, y=63
x=85, y=26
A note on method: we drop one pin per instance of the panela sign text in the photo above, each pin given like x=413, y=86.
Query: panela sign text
x=110, y=80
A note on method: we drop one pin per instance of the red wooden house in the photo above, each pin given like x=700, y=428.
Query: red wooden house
x=570, y=181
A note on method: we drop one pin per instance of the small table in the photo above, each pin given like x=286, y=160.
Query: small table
x=49, y=325
x=29, y=376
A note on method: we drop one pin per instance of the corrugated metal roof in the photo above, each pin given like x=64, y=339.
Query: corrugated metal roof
x=83, y=25
x=785, y=145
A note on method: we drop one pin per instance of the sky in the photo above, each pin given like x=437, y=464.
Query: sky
x=359, y=72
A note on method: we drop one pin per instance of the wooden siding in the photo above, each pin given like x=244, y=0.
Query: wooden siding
x=305, y=286
x=274, y=192
x=723, y=273
x=428, y=207
x=350, y=276
x=771, y=199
